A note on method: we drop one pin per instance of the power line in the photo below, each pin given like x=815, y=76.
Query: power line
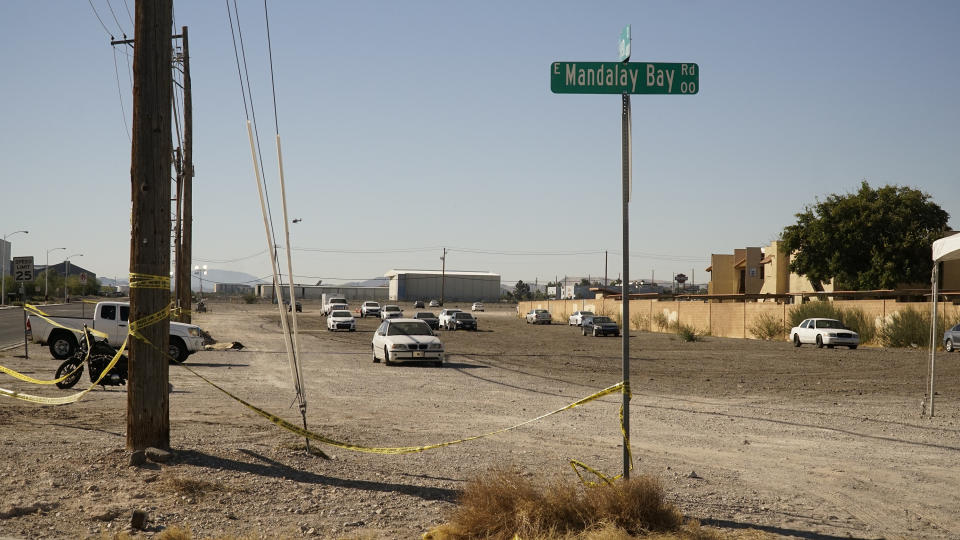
x=99, y=19
x=116, y=20
x=123, y=110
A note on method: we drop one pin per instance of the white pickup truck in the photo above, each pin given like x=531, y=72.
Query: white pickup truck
x=110, y=318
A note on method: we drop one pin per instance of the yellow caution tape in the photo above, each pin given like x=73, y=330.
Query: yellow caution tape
x=147, y=281
x=67, y=399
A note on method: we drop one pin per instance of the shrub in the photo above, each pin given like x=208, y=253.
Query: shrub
x=640, y=321
x=809, y=310
x=660, y=321
x=249, y=298
x=505, y=505
x=687, y=333
x=768, y=327
x=906, y=328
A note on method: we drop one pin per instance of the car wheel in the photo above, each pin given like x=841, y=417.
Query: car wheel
x=595, y=333
x=177, y=350
x=948, y=345
x=386, y=356
x=829, y=346
x=852, y=347
x=373, y=351
x=819, y=342
x=796, y=340
x=63, y=346
x=438, y=363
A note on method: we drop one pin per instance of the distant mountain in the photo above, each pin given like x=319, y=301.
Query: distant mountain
x=375, y=282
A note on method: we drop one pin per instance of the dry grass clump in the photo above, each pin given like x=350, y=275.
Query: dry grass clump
x=503, y=505
x=189, y=486
x=640, y=321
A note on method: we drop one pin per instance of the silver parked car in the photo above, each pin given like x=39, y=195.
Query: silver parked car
x=577, y=318
x=951, y=339
x=539, y=316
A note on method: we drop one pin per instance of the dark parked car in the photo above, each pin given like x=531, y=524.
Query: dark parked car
x=599, y=326
x=462, y=320
x=418, y=304
x=428, y=318
x=951, y=339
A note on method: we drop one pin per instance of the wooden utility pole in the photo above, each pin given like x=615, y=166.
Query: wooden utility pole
x=185, y=253
x=148, y=405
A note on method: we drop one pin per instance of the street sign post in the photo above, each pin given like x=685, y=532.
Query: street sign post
x=22, y=273
x=624, y=78
x=23, y=269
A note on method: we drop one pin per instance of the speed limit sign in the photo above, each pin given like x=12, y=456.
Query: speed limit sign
x=23, y=268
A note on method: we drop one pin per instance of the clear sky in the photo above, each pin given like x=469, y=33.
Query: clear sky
x=410, y=126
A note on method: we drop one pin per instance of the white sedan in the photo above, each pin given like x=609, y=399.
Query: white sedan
x=477, y=306
x=341, y=319
x=400, y=340
x=577, y=318
x=391, y=312
x=820, y=332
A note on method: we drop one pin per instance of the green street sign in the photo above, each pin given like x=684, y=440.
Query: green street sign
x=624, y=78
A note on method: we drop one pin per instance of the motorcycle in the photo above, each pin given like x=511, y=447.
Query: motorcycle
x=101, y=353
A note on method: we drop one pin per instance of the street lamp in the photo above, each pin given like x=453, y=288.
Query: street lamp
x=46, y=274
x=66, y=274
x=200, y=271
x=3, y=263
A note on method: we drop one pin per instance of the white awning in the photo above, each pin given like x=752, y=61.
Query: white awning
x=947, y=249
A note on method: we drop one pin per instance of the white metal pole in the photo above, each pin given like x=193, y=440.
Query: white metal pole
x=935, y=278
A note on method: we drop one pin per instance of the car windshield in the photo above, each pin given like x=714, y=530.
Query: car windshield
x=392, y=308
x=462, y=315
x=829, y=323
x=341, y=314
x=371, y=304
x=601, y=320
x=542, y=311
x=409, y=329
x=586, y=313
x=424, y=315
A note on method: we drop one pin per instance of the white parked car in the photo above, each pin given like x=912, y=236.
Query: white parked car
x=577, y=318
x=337, y=307
x=341, y=319
x=820, y=332
x=401, y=340
x=477, y=306
x=539, y=316
x=391, y=312
x=370, y=309
x=446, y=315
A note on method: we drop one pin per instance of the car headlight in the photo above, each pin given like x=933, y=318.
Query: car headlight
x=436, y=346
x=398, y=347
x=193, y=331
x=832, y=334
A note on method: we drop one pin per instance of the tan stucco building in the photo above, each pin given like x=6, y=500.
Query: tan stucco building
x=755, y=270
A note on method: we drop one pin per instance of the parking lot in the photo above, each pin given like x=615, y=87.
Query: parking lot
x=743, y=433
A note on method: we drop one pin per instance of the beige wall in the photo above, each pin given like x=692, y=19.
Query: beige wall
x=722, y=319
x=776, y=273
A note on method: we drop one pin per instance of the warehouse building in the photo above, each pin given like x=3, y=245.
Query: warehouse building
x=316, y=292
x=456, y=286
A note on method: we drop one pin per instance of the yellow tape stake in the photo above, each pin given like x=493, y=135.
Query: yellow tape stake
x=626, y=441
x=67, y=399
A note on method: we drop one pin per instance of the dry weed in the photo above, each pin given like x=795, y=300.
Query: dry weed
x=503, y=504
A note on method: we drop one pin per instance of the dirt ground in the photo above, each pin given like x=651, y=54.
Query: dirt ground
x=802, y=443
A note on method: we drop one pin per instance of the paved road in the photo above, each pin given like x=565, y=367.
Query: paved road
x=11, y=320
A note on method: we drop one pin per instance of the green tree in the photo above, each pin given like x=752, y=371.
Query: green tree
x=871, y=239
x=521, y=291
